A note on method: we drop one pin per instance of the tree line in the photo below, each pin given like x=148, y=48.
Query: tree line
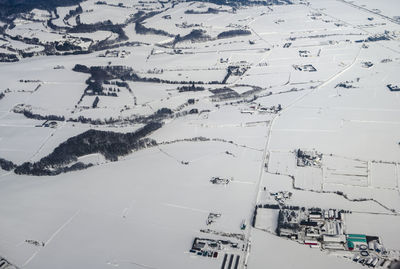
x=110, y=144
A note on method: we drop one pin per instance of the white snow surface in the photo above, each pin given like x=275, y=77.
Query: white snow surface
x=144, y=210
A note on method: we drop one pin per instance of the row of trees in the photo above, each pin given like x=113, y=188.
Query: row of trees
x=233, y=33
x=143, y=30
x=191, y=88
x=35, y=116
x=101, y=74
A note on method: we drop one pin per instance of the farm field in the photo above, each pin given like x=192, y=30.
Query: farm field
x=200, y=134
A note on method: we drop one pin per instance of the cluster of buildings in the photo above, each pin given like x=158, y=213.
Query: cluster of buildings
x=218, y=180
x=213, y=248
x=308, y=158
x=304, y=53
x=306, y=68
x=368, y=250
x=316, y=228
x=216, y=244
x=281, y=196
x=114, y=54
x=35, y=243
x=81, y=42
x=367, y=64
x=212, y=218
x=261, y=109
x=324, y=229
x=205, y=247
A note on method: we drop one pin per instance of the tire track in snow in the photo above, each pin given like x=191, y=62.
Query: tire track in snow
x=51, y=237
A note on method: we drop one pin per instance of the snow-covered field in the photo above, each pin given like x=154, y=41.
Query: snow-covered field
x=235, y=111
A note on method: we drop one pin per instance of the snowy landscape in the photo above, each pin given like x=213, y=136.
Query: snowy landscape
x=199, y=134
